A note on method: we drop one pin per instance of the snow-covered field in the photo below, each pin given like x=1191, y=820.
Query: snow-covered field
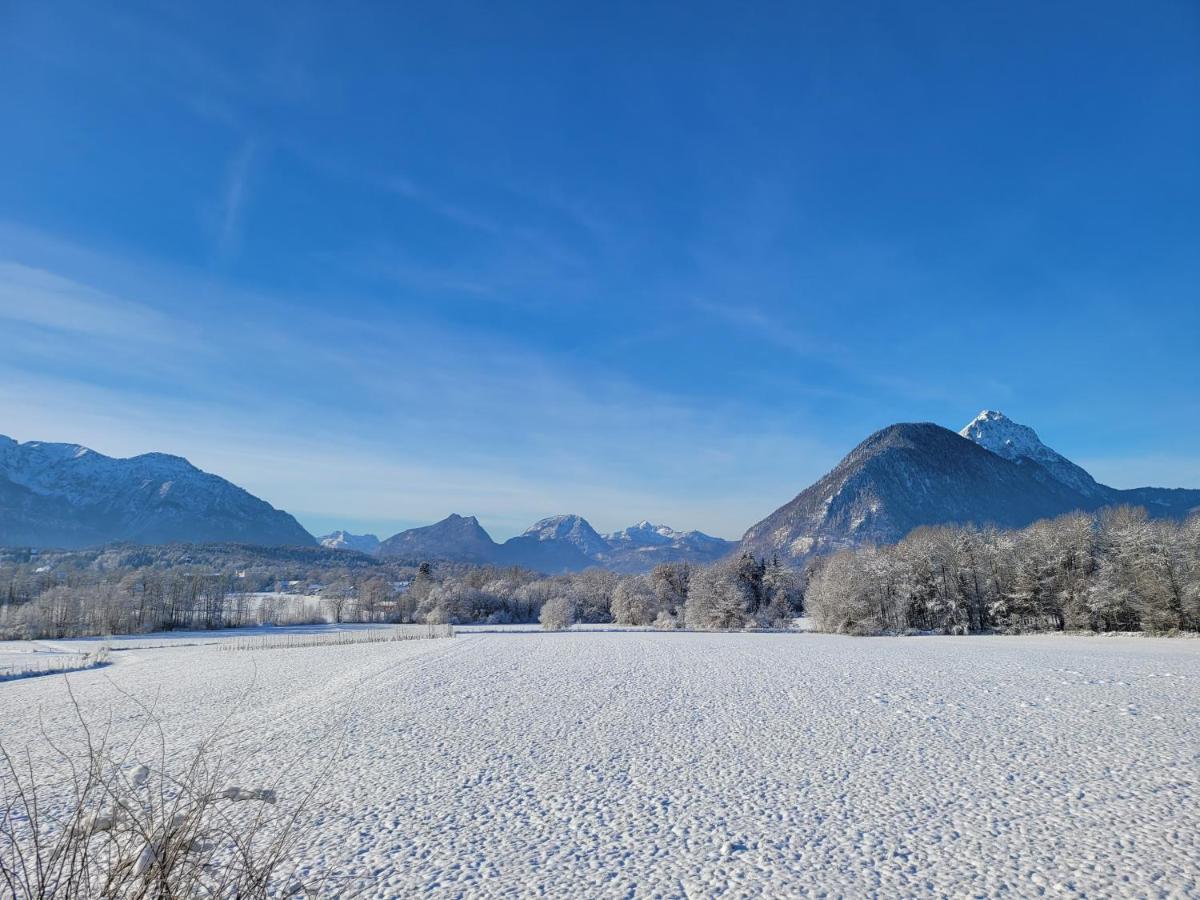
x=18, y=657
x=668, y=764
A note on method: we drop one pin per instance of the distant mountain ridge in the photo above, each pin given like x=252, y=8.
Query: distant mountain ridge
x=994, y=471
x=564, y=543
x=68, y=496
x=645, y=545
x=344, y=540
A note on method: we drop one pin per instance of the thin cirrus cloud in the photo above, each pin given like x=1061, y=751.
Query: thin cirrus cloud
x=30, y=296
x=339, y=425
x=234, y=198
x=329, y=476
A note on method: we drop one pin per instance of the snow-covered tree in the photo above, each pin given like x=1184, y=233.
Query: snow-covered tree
x=670, y=581
x=782, y=595
x=634, y=602
x=594, y=592
x=558, y=614
x=830, y=600
x=719, y=598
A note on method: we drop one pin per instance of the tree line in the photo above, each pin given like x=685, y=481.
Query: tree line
x=1116, y=570
x=737, y=593
x=78, y=601
x=43, y=600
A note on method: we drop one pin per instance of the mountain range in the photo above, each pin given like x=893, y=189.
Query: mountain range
x=565, y=543
x=67, y=496
x=995, y=471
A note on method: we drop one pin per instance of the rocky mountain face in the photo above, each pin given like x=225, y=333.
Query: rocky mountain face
x=65, y=495
x=344, y=540
x=994, y=471
x=456, y=538
x=566, y=543
x=557, y=544
x=573, y=530
x=998, y=433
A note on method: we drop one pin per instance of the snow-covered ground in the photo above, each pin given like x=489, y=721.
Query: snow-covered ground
x=17, y=656
x=650, y=764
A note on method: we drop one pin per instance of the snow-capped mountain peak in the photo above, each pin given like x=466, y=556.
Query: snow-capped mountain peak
x=570, y=528
x=644, y=533
x=996, y=432
x=344, y=540
x=645, y=536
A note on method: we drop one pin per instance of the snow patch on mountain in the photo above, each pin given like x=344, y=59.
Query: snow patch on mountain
x=68, y=495
x=1018, y=443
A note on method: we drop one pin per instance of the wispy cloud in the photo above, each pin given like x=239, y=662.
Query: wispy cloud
x=402, y=421
x=34, y=297
x=234, y=196
x=772, y=329
x=409, y=189
x=756, y=322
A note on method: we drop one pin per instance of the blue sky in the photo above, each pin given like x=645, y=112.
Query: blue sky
x=378, y=263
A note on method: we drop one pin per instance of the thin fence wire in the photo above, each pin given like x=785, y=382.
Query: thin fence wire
x=373, y=636
x=54, y=665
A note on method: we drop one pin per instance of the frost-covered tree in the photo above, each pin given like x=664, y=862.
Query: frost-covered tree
x=1114, y=597
x=719, y=598
x=831, y=600
x=750, y=572
x=593, y=592
x=634, y=602
x=530, y=597
x=373, y=597
x=1186, y=548
x=1115, y=570
x=338, y=596
x=1074, y=565
x=558, y=614
x=670, y=581
x=782, y=595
